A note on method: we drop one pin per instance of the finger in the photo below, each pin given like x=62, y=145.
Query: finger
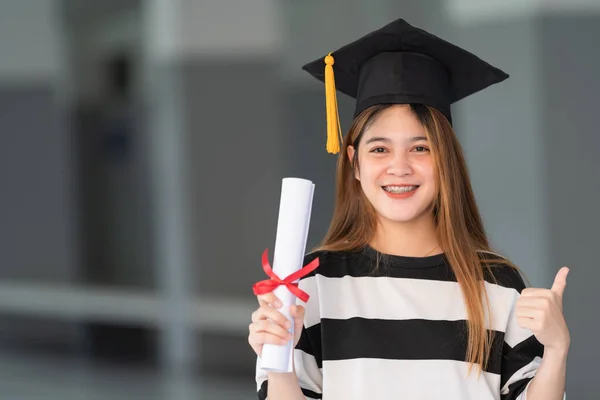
x=272, y=328
x=535, y=302
x=529, y=312
x=269, y=327
x=560, y=281
x=270, y=313
x=263, y=338
x=297, y=312
x=269, y=299
x=527, y=323
x=535, y=292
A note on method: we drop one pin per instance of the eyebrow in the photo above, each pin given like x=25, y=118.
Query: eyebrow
x=411, y=139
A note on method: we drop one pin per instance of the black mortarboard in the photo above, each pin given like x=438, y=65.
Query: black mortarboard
x=400, y=64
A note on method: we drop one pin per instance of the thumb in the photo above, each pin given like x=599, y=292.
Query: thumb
x=560, y=282
x=297, y=312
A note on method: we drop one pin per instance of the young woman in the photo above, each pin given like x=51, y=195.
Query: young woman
x=409, y=301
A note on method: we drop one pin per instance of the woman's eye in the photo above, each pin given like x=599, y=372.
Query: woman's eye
x=421, y=149
x=378, y=150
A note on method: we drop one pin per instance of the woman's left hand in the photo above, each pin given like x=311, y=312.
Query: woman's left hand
x=541, y=311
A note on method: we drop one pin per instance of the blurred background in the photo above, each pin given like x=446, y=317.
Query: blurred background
x=143, y=147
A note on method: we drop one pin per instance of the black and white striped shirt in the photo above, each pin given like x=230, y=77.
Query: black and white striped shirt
x=401, y=333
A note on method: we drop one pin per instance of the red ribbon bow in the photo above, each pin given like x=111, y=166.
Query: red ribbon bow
x=268, y=285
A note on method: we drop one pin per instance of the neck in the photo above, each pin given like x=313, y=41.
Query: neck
x=412, y=239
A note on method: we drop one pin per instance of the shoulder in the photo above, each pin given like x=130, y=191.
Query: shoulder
x=332, y=263
x=500, y=271
x=330, y=256
x=319, y=257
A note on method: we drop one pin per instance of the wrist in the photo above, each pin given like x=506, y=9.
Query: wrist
x=558, y=353
x=283, y=376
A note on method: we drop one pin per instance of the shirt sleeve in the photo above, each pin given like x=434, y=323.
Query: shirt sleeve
x=307, y=353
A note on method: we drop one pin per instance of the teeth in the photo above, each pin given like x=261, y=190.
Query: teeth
x=399, y=189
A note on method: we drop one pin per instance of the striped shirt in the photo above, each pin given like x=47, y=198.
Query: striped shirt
x=400, y=332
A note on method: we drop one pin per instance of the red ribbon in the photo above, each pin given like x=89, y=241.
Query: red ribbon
x=268, y=285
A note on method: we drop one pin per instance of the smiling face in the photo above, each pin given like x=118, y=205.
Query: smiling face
x=395, y=166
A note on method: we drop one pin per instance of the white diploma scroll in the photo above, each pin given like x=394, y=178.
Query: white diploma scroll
x=290, y=246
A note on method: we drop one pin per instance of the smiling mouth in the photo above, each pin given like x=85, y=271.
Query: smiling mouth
x=400, y=189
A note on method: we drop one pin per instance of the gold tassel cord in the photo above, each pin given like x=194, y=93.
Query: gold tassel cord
x=334, y=130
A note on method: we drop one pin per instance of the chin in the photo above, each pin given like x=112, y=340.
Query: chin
x=402, y=219
x=404, y=215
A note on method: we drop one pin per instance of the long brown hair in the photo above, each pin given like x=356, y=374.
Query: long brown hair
x=460, y=229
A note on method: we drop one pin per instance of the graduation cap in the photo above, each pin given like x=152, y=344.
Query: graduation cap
x=399, y=64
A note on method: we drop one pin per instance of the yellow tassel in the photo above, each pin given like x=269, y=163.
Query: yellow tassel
x=334, y=130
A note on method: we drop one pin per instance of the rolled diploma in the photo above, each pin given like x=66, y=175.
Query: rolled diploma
x=290, y=245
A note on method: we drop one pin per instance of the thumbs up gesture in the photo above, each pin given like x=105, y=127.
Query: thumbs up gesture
x=541, y=311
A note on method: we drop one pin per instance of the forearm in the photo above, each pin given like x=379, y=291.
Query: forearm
x=284, y=386
x=549, y=380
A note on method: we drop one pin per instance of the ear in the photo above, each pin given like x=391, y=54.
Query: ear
x=350, y=154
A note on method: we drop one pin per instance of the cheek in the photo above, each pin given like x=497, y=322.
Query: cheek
x=430, y=177
x=369, y=173
x=426, y=170
x=430, y=174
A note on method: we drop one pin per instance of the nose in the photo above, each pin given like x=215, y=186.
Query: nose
x=400, y=165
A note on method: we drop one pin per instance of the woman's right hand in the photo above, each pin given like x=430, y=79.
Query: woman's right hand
x=270, y=326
